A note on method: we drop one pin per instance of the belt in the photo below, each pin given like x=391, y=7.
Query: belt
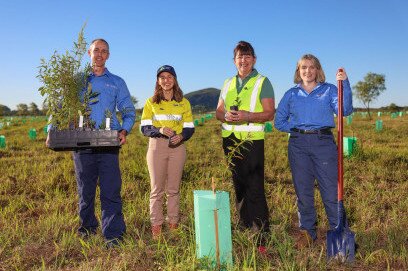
x=325, y=131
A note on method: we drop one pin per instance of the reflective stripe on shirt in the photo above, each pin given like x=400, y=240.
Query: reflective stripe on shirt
x=146, y=122
x=225, y=89
x=255, y=92
x=188, y=125
x=243, y=128
x=167, y=117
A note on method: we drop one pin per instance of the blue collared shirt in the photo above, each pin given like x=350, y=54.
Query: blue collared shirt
x=314, y=110
x=113, y=94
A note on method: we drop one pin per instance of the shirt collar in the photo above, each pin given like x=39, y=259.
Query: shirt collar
x=299, y=85
x=105, y=72
x=252, y=74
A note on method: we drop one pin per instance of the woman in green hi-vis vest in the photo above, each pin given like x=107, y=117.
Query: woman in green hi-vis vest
x=246, y=102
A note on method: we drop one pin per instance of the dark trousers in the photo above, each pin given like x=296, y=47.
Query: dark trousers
x=314, y=157
x=247, y=167
x=103, y=165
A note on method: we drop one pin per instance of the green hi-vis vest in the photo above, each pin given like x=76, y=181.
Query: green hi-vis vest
x=248, y=100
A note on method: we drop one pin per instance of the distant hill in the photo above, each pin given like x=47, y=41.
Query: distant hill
x=203, y=100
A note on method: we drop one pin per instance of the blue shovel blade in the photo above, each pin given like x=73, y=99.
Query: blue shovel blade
x=341, y=241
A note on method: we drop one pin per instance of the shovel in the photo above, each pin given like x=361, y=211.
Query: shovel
x=340, y=241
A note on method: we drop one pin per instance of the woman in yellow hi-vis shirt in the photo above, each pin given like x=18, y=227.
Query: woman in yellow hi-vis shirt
x=168, y=121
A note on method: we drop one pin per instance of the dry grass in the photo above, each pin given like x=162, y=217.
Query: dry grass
x=38, y=205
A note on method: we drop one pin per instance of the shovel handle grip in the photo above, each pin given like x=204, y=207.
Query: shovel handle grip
x=340, y=139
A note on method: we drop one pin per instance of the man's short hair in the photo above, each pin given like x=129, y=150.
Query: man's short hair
x=99, y=39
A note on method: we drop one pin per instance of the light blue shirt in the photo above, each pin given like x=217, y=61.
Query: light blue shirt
x=314, y=110
x=114, y=94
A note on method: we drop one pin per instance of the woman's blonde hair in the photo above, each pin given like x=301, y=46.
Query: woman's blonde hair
x=320, y=77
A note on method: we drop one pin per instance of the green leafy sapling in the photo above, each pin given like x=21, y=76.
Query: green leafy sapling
x=64, y=80
x=237, y=104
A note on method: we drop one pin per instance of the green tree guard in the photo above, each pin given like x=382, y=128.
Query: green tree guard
x=349, y=145
x=268, y=127
x=2, y=142
x=205, y=204
x=349, y=120
x=32, y=134
x=378, y=125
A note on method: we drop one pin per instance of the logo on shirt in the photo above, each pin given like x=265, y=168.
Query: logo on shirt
x=111, y=86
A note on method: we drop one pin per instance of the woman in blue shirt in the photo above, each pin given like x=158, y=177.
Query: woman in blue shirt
x=306, y=112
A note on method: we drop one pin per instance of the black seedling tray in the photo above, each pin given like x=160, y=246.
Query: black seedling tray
x=69, y=140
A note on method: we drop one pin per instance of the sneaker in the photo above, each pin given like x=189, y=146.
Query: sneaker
x=303, y=240
x=156, y=231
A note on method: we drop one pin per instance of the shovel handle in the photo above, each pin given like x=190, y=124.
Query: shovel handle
x=340, y=139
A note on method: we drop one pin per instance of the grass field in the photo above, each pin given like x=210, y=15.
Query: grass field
x=38, y=205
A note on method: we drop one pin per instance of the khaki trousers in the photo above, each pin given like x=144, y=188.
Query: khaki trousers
x=165, y=168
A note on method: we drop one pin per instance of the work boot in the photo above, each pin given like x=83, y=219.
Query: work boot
x=113, y=243
x=173, y=227
x=156, y=231
x=86, y=233
x=303, y=240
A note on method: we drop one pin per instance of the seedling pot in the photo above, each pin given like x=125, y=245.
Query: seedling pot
x=68, y=140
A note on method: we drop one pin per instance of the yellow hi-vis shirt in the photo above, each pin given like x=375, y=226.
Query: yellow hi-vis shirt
x=249, y=99
x=172, y=114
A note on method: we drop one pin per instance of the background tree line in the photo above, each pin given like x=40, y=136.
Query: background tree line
x=23, y=109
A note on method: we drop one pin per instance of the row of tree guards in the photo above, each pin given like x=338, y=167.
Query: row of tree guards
x=378, y=123
x=10, y=121
x=349, y=143
x=32, y=135
x=202, y=120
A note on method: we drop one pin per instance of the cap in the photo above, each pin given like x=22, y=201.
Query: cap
x=166, y=68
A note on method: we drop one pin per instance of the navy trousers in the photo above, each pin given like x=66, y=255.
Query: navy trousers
x=103, y=165
x=314, y=157
x=248, y=176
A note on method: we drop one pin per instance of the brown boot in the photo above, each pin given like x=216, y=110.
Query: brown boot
x=156, y=231
x=303, y=239
x=173, y=227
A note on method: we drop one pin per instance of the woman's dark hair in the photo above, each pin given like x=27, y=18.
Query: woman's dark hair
x=158, y=95
x=244, y=48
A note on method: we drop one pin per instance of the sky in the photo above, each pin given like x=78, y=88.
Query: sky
x=198, y=37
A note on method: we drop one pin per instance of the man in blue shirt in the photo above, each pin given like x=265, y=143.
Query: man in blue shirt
x=91, y=165
x=306, y=112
